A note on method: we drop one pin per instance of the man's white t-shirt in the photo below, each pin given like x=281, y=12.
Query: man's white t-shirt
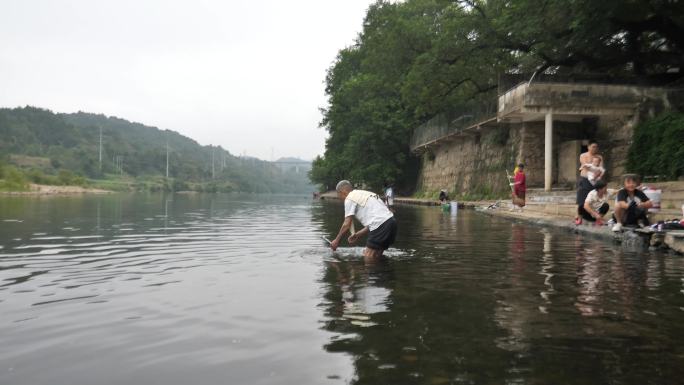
x=373, y=214
x=595, y=202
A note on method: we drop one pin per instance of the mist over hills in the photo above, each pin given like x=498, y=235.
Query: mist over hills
x=37, y=138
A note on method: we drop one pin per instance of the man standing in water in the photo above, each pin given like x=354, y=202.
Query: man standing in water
x=584, y=186
x=377, y=219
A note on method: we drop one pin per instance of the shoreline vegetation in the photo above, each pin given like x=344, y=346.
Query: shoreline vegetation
x=416, y=60
x=40, y=189
x=96, y=151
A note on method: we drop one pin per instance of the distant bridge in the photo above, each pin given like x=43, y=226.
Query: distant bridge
x=299, y=166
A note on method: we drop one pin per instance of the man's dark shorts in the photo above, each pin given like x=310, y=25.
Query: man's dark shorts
x=583, y=189
x=635, y=214
x=603, y=210
x=382, y=237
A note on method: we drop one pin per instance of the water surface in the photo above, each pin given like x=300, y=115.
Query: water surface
x=207, y=289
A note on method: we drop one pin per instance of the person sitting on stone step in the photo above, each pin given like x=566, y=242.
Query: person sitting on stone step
x=632, y=205
x=596, y=204
x=443, y=196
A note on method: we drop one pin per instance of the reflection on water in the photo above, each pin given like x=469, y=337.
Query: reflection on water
x=151, y=289
x=486, y=301
x=241, y=289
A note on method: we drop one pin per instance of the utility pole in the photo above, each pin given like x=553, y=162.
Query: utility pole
x=167, y=159
x=213, y=170
x=119, y=163
x=100, y=148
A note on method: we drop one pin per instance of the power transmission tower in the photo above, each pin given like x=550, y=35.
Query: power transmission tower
x=118, y=160
x=167, y=159
x=213, y=170
x=100, y=148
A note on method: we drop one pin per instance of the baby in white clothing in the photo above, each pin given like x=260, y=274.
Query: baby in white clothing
x=594, y=170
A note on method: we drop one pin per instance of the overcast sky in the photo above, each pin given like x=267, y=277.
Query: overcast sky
x=246, y=75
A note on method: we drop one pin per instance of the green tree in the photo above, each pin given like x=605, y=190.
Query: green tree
x=418, y=59
x=658, y=147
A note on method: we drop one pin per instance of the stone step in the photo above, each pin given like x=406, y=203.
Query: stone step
x=666, y=214
x=673, y=196
x=568, y=199
x=570, y=211
x=670, y=199
x=675, y=240
x=554, y=191
x=667, y=186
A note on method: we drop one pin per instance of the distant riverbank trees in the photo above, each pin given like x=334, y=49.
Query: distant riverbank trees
x=11, y=179
x=419, y=58
x=48, y=148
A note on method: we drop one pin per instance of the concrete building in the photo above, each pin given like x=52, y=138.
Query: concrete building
x=544, y=124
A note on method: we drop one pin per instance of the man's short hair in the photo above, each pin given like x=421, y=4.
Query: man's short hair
x=343, y=184
x=632, y=177
x=592, y=141
x=600, y=184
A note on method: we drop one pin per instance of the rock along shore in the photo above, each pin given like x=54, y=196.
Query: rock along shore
x=39, y=189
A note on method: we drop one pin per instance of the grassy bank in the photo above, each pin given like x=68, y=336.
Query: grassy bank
x=482, y=194
x=17, y=179
x=14, y=179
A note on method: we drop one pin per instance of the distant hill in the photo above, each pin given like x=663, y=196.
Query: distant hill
x=38, y=138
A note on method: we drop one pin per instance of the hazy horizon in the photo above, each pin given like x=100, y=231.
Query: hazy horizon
x=245, y=76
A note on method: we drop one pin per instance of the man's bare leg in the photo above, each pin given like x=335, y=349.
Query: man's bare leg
x=372, y=254
x=619, y=213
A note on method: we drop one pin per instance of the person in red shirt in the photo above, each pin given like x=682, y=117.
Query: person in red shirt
x=519, y=186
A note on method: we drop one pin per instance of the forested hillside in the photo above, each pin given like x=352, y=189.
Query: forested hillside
x=416, y=59
x=39, y=140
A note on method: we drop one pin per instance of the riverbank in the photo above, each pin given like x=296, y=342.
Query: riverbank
x=418, y=201
x=673, y=240
x=40, y=189
x=643, y=237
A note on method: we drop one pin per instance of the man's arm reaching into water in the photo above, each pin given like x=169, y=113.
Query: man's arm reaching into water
x=346, y=225
x=355, y=237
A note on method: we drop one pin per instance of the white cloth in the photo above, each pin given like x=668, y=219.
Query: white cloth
x=593, y=172
x=360, y=197
x=595, y=202
x=389, y=194
x=372, y=214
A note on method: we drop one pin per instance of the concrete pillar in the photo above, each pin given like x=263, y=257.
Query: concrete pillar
x=548, y=151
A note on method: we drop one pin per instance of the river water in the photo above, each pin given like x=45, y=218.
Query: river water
x=209, y=289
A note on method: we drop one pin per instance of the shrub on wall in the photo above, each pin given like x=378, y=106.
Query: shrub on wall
x=658, y=147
